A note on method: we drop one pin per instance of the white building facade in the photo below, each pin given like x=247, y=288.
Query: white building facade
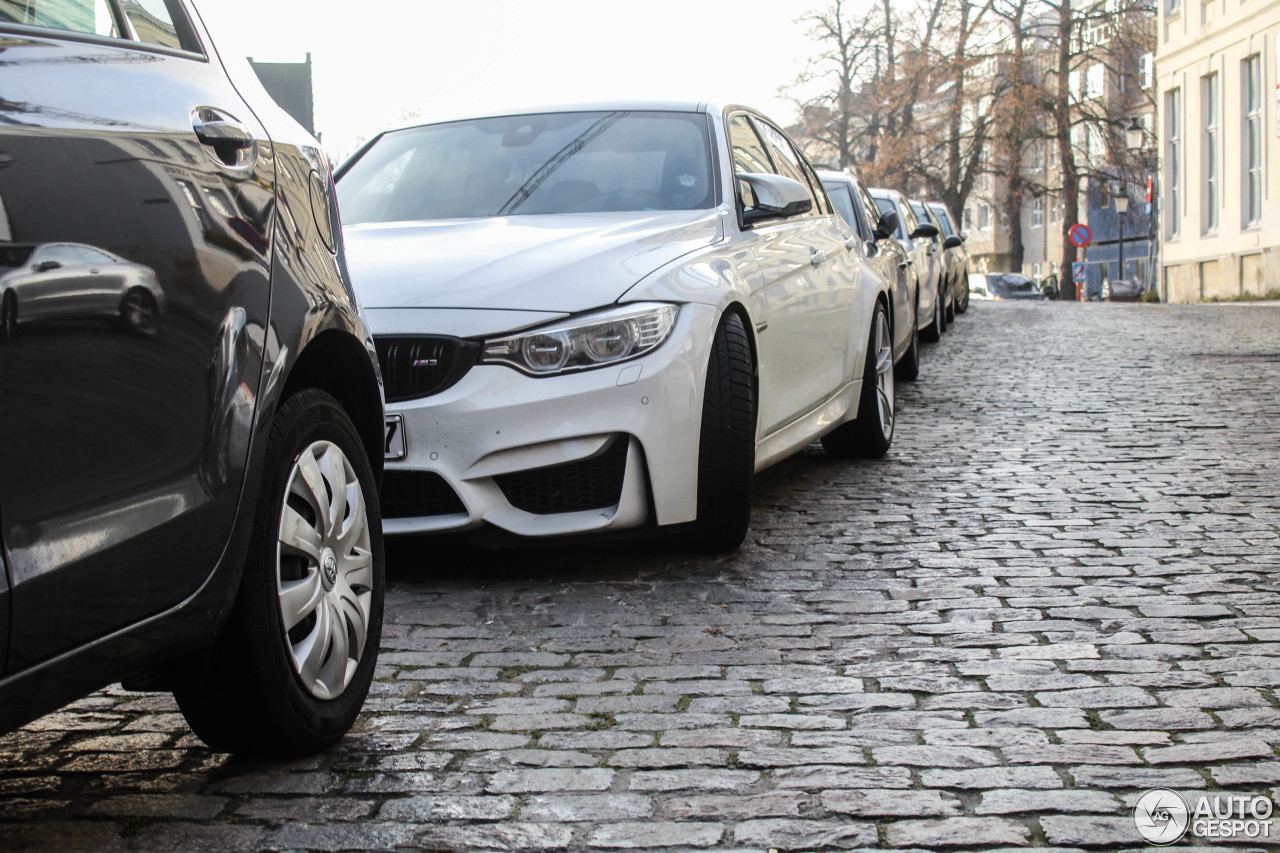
x=1218, y=131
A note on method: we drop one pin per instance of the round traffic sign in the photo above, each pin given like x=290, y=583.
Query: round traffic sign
x=1080, y=235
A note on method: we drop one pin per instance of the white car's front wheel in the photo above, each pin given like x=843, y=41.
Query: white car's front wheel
x=727, y=443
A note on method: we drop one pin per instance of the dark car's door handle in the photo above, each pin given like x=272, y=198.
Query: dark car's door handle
x=224, y=132
x=817, y=256
x=227, y=140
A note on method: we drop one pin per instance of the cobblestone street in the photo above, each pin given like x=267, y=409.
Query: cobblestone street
x=1061, y=588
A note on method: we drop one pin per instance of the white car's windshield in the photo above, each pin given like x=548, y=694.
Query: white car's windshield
x=542, y=163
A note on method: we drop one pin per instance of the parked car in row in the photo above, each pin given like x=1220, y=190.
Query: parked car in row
x=1003, y=285
x=599, y=317
x=888, y=258
x=923, y=258
x=1121, y=290
x=956, y=255
x=188, y=496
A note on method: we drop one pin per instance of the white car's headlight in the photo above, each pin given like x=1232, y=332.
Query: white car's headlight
x=587, y=341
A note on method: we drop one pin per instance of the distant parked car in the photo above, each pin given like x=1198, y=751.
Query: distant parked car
x=1121, y=290
x=924, y=259
x=71, y=281
x=957, y=256
x=601, y=317
x=887, y=258
x=1003, y=285
x=188, y=492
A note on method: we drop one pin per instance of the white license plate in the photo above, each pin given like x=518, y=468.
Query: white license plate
x=395, y=447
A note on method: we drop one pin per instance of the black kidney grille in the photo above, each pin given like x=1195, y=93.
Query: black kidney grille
x=420, y=366
x=592, y=483
x=411, y=494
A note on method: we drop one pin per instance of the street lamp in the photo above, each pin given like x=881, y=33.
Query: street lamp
x=1122, y=206
x=1135, y=137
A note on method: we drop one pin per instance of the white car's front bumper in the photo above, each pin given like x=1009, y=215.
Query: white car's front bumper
x=544, y=456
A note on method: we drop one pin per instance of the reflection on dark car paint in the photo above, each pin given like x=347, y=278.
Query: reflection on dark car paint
x=123, y=457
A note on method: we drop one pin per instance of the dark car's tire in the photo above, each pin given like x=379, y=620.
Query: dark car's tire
x=726, y=443
x=315, y=553
x=870, y=434
x=932, y=333
x=8, y=317
x=951, y=303
x=908, y=367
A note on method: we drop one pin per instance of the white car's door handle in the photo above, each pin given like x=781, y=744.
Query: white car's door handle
x=817, y=256
x=850, y=243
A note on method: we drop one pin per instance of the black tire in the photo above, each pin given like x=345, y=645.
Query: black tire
x=962, y=299
x=727, y=442
x=8, y=317
x=870, y=434
x=908, y=367
x=951, y=303
x=251, y=697
x=932, y=333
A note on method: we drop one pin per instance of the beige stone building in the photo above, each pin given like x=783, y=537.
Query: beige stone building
x=1218, y=129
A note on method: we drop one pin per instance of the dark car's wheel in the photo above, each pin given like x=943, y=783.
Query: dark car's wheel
x=951, y=303
x=932, y=333
x=908, y=367
x=8, y=317
x=290, y=670
x=138, y=311
x=727, y=442
x=871, y=432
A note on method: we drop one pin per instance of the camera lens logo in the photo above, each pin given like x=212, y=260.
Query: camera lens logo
x=1161, y=816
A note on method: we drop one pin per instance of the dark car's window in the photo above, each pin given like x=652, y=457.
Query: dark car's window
x=839, y=195
x=870, y=211
x=1009, y=284
x=91, y=17
x=153, y=22
x=543, y=163
x=886, y=205
x=943, y=219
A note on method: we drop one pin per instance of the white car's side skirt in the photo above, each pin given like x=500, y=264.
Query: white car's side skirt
x=800, y=433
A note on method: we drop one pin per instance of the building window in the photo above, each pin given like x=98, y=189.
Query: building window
x=1210, y=182
x=1147, y=76
x=1172, y=7
x=1252, y=190
x=1037, y=212
x=1095, y=80
x=984, y=216
x=1173, y=162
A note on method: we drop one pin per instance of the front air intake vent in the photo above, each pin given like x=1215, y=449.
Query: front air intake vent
x=419, y=366
x=591, y=483
x=414, y=494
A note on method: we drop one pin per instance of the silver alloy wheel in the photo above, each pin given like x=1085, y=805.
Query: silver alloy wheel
x=324, y=569
x=884, y=374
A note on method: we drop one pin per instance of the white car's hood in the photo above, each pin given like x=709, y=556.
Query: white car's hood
x=561, y=262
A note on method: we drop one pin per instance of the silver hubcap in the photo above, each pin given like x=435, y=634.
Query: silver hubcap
x=324, y=569
x=884, y=375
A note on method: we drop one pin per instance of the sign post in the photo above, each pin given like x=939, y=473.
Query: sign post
x=1081, y=236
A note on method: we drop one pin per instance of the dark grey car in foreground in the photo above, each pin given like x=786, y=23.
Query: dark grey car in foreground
x=193, y=508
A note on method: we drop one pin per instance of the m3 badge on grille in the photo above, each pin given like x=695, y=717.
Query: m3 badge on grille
x=395, y=447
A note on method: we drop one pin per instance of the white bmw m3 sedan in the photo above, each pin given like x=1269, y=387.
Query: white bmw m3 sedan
x=609, y=316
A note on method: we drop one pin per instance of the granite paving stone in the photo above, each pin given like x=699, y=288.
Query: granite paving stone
x=1057, y=590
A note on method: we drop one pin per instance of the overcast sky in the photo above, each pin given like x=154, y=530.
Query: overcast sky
x=378, y=61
